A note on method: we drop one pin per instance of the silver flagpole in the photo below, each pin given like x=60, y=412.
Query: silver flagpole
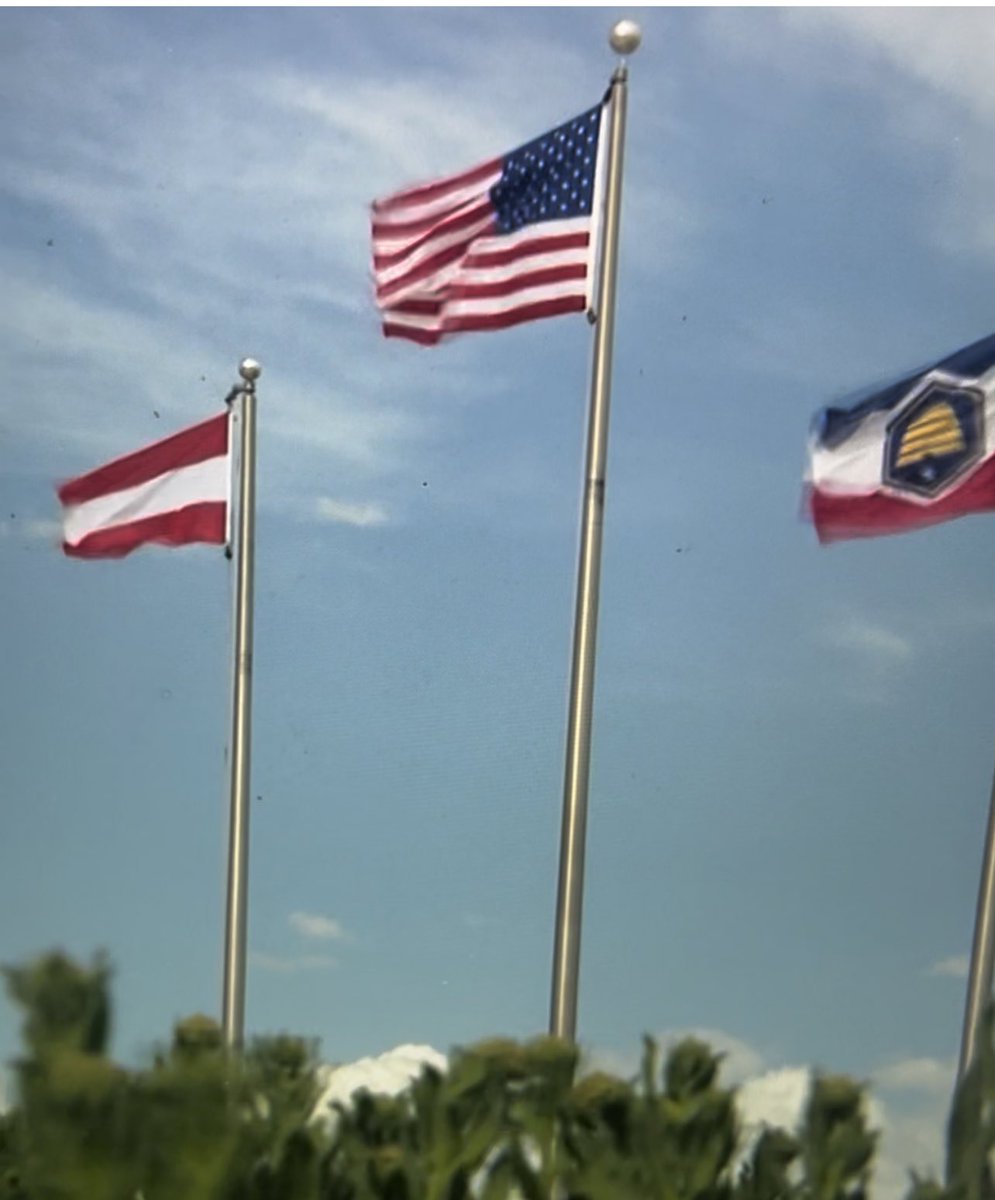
x=233, y=1001
x=625, y=38
x=979, y=983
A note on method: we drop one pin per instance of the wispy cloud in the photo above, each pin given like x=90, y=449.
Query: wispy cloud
x=344, y=512
x=931, y=1075
x=37, y=529
x=145, y=328
x=477, y=921
x=873, y=642
x=954, y=967
x=929, y=71
x=314, y=925
x=173, y=236
x=947, y=52
x=291, y=965
x=874, y=656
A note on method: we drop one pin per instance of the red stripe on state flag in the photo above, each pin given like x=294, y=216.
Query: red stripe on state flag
x=173, y=492
x=204, y=522
x=838, y=516
x=186, y=448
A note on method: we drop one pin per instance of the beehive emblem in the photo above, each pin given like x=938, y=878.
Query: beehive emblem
x=934, y=439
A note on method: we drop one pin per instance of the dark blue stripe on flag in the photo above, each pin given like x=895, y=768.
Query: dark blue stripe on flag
x=834, y=425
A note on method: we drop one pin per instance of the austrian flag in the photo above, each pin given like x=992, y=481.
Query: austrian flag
x=510, y=240
x=173, y=492
x=915, y=453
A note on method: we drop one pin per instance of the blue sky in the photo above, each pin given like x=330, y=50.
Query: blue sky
x=793, y=746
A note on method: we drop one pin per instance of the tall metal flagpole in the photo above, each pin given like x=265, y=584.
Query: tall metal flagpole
x=979, y=984
x=233, y=1001
x=624, y=38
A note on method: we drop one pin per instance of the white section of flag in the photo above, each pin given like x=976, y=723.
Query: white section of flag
x=201, y=483
x=856, y=465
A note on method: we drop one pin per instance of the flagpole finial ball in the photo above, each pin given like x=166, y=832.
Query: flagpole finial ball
x=625, y=37
x=249, y=369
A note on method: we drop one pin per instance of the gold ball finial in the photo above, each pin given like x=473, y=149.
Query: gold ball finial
x=625, y=37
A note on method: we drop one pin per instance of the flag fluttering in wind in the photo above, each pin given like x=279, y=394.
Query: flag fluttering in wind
x=173, y=492
x=918, y=452
x=508, y=241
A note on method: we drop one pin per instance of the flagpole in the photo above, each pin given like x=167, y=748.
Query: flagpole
x=979, y=983
x=233, y=1000
x=624, y=38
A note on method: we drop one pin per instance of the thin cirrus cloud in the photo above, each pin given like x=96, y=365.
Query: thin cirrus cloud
x=946, y=51
x=318, y=927
x=930, y=72
x=34, y=529
x=874, y=642
x=113, y=168
x=313, y=927
x=924, y=1075
x=291, y=965
x=954, y=967
x=343, y=512
x=186, y=269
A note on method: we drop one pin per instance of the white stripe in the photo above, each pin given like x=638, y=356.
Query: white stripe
x=519, y=299
x=230, y=477
x=435, y=244
x=407, y=212
x=598, y=199
x=856, y=466
x=411, y=320
x=463, y=271
x=387, y=244
x=529, y=233
x=524, y=266
x=201, y=483
x=489, y=306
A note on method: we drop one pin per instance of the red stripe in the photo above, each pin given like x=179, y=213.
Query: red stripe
x=537, y=245
x=197, y=444
x=483, y=260
x=410, y=229
x=411, y=333
x=195, y=523
x=416, y=306
x=515, y=316
x=424, y=270
x=517, y=283
x=426, y=192
x=839, y=517
x=482, y=321
x=439, y=229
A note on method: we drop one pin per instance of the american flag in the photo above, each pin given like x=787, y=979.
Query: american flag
x=508, y=241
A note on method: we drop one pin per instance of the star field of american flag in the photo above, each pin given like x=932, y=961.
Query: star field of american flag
x=509, y=240
x=551, y=177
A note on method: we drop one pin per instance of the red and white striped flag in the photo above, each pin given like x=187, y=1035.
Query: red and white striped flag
x=173, y=492
x=509, y=241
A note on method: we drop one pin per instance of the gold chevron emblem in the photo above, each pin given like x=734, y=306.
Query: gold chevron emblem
x=935, y=433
